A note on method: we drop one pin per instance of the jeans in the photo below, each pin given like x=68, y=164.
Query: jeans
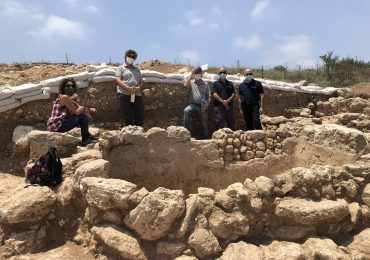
x=133, y=113
x=202, y=117
x=76, y=120
x=251, y=114
x=222, y=114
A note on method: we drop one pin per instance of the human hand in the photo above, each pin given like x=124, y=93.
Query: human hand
x=132, y=90
x=204, y=107
x=80, y=109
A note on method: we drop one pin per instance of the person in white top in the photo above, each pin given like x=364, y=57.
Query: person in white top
x=129, y=89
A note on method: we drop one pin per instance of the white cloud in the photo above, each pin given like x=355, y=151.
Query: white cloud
x=259, y=8
x=59, y=26
x=193, y=19
x=178, y=28
x=72, y=3
x=92, y=9
x=16, y=10
x=293, y=50
x=216, y=11
x=191, y=55
x=248, y=43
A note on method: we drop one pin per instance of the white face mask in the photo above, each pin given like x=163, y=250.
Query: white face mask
x=197, y=76
x=129, y=60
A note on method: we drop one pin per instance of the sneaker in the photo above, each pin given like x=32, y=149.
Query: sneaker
x=95, y=138
x=88, y=141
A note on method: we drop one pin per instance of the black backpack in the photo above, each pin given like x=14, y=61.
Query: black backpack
x=47, y=171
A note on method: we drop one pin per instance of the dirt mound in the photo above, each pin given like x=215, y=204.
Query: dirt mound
x=16, y=74
x=161, y=66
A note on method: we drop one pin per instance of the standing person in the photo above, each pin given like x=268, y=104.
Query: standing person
x=68, y=114
x=129, y=89
x=223, y=92
x=251, y=97
x=199, y=99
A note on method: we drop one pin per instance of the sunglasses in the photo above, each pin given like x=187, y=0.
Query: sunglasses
x=68, y=85
x=132, y=56
x=248, y=74
x=222, y=72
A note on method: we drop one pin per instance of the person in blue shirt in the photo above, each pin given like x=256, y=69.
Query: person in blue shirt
x=199, y=99
x=251, y=96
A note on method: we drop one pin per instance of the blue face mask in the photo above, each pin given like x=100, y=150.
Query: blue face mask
x=70, y=91
x=248, y=78
x=222, y=76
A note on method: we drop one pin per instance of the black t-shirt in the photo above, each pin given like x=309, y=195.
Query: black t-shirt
x=223, y=89
x=250, y=92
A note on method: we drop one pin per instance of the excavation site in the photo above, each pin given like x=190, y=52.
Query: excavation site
x=298, y=189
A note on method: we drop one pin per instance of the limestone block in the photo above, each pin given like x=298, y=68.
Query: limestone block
x=309, y=212
x=366, y=195
x=156, y=213
x=359, y=246
x=265, y=185
x=170, y=249
x=40, y=141
x=204, y=243
x=229, y=226
x=119, y=241
x=107, y=194
x=283, y=250
x=242, y=251
x=96, y=168
x=26, y=204
x=178, y=134
x=323, y=248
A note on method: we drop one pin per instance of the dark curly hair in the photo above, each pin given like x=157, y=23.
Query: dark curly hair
x=131, y=53
x=63, y=85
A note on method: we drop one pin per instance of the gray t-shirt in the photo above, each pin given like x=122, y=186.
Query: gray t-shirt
x=196, y=92
x=131, y=76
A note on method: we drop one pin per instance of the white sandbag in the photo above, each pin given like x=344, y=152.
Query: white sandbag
x=172, y=81
x=232, y=77
x=81, y=76
x=82, y=83
x=33, y=98
x=7, y=101
x=105, y=72
x=328, y=90
x=152, y=80
x=152, y=73
x=100, y=79
x=236, y=82
x=207, y=76
x=94, y=68
x=175, y=76
x=52, y=82
x=10, y=106
x=51, y=89
x=5, y=93
x=28, y=94
x=25, y=88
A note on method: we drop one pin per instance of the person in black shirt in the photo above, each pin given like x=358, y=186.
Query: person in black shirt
x=251, y=97
x=223, y=92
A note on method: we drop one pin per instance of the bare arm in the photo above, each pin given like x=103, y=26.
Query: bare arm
x=187, y=82
x=122, y=84
x=262, y=97
x=72, y=106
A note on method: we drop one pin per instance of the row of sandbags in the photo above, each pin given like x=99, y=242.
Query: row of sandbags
x=12, y=97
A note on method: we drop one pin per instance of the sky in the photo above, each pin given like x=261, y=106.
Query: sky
x=251, y=33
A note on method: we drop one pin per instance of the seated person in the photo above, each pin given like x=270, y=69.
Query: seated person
x=68, y=114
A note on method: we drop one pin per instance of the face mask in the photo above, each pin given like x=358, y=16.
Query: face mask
x=222, y=76
x=129, y=60
x=248, y=78
x=197, y=76
x=70, y=91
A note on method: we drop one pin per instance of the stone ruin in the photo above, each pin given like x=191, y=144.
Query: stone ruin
x=299, y=189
